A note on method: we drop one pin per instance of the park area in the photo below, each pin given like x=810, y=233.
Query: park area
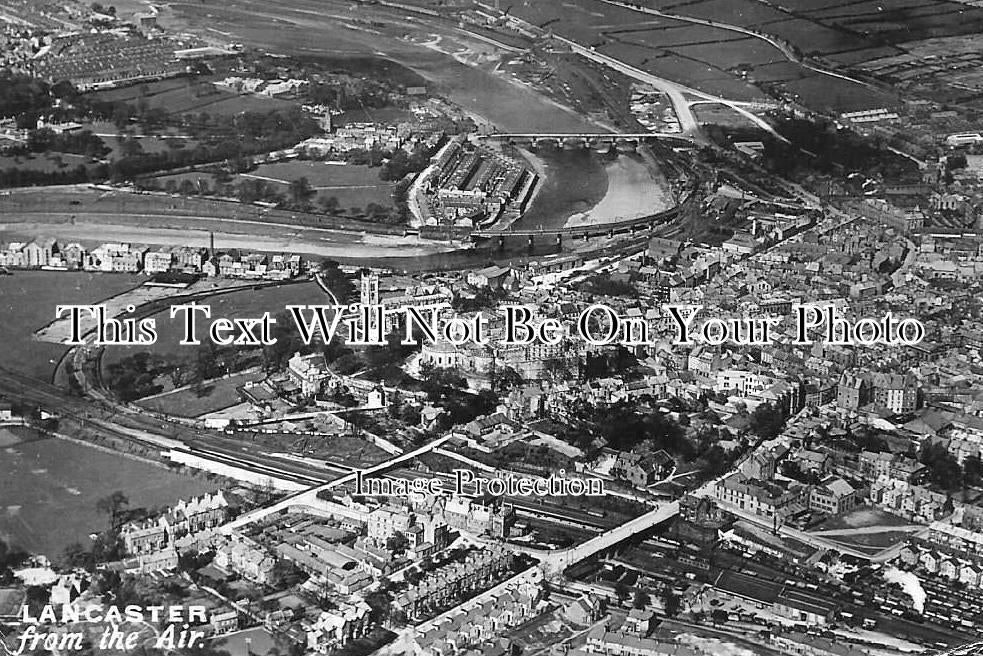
x=352, y=185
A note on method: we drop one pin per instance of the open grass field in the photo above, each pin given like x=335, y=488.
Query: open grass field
x=811, y=37
x=256, y=640
x=668, y=32
x=852, y=57
x=717, y=114
x=216, y=395
x=862, y=518
x=184, y=96
x=777, y=72
x=839, y=25
x=698, y=74
x=27, y=302
x=126, y=8
x=872, y=542
x=836, y=95
x=354, y=186
x=842, y=14
x=899, y=21
x=8, y=438
x=837, y=31
x=741, y=52
x=707, y=57
x=49, y=489
x=739, y=12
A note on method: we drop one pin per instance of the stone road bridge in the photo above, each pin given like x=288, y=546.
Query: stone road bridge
x=599, y=141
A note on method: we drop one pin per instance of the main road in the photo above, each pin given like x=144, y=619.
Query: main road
x=555, y=561
x=310, y=497
x=676, y=92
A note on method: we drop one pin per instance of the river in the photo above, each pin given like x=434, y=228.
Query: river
x=316, y=27
x=583, y=187
x=577, y=181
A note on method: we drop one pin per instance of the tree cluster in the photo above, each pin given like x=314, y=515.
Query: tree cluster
x=401, y=163
x=23, y=96
x=135, y=376
x=16, y=176
x=623, y=428
x=944, y=470
x=445, y=388
x=767, y=421
x=10, y=558
x=829, y=149
x=604, y=285
x=82, y=142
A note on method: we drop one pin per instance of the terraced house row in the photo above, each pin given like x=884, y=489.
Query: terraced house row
x=452, y=582
x=103, y=60
x=476, y=624
x=112, y=257
x=184, y=518
x=948, y=551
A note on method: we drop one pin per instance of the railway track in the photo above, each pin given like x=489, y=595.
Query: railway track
x=252, y=465
x=589, y=520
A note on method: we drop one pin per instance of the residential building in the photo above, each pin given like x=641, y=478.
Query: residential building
x=759, y=498
x=308, y=372
x=833, y=496
x=334, y=629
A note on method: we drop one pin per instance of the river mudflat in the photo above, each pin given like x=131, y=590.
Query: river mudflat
x=582, y=187
x=633, y=191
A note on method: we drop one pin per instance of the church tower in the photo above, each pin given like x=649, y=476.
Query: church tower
x=369, y=294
